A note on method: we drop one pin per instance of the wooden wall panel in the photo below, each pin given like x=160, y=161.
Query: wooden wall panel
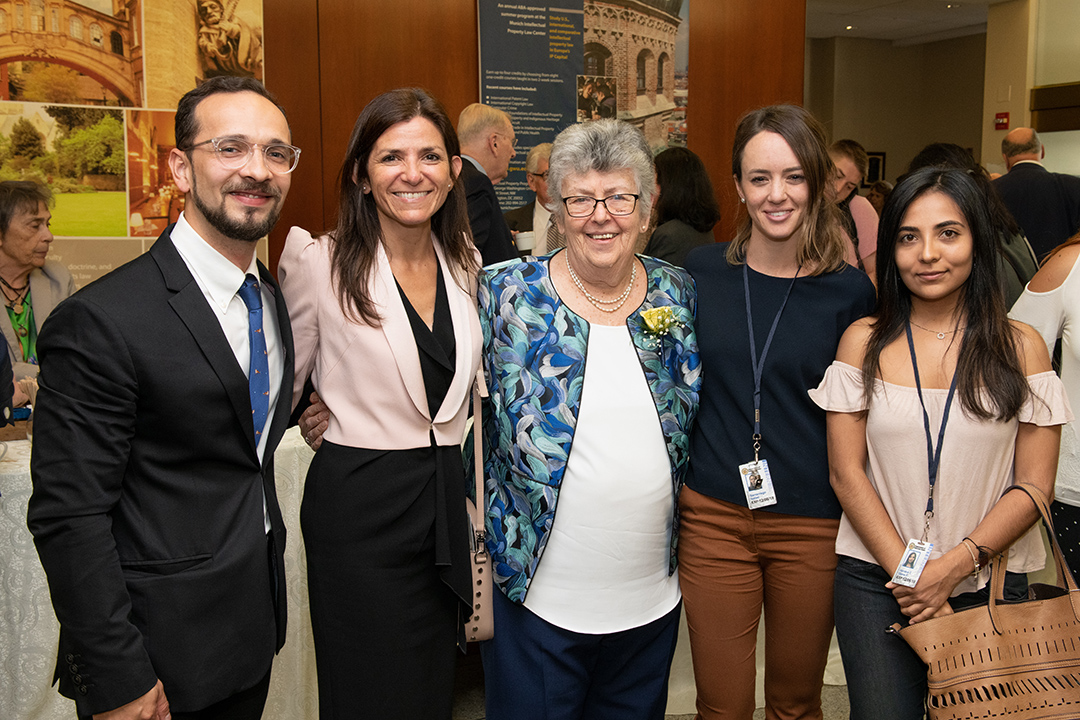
x=373, y=46
x=744, y=54
x=291, y=61
x=325, y=59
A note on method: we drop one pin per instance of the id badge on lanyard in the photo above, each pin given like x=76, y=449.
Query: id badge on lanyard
x=756, y=479
x=918, y=551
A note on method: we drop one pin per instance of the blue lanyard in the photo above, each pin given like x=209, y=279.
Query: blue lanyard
x=756, y=364
x=933, y=456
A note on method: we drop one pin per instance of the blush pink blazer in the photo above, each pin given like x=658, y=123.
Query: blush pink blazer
x=368, y=376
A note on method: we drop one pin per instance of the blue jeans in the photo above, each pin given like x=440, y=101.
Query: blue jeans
x=885, y=677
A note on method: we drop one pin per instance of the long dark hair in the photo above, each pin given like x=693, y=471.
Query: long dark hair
x=686, y=193
x=355, y=240
x=821, y=244
x=989, y=365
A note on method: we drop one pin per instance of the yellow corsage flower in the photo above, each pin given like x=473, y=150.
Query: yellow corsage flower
x=659, y=321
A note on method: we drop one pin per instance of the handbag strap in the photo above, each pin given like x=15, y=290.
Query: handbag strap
x=1064, y=577
x=478, y=508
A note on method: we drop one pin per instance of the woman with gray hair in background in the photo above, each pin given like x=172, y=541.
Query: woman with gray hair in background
x=592, y=365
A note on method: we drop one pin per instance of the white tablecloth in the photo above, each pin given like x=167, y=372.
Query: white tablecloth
x=29, y=633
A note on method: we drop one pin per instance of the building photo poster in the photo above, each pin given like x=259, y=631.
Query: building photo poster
x=550, y=64
x=88, y=90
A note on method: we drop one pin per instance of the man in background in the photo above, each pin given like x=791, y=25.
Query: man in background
x=164, y=388
x=1045, y=204
x=535, y=216
x=487, y=146
x=860, y=220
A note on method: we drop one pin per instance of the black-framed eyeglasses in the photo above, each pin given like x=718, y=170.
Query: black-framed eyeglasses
x=234, y=153
x=542, y=176
x=513, y=140
x=578, y=206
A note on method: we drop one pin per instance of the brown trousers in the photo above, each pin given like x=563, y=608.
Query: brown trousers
x=733, y=562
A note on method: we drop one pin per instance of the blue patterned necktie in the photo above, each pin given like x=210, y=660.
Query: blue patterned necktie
x=259, y=368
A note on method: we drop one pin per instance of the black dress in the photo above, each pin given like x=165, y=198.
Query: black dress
x=387, y=550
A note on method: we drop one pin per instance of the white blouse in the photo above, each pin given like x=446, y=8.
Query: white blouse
x=1054, y=314
x=605, y=566
x=976, y=461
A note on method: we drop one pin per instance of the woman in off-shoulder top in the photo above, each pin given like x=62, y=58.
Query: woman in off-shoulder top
x=938, y=364
x=1051, y=305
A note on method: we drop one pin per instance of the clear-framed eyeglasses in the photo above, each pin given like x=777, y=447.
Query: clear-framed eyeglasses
x=234, y=153
x=579, y=206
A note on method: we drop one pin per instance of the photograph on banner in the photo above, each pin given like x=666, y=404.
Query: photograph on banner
x=581, y=60
x=81, y=53
x=153, y=198
x=78, y=152
x=187, y=42
x=640, y=51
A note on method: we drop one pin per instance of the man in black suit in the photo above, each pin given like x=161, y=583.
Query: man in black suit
x=534, y=216
x=1045, y=204
x=165, y=387
x=487, y=146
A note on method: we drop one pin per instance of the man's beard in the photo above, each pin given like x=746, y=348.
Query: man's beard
x=247, y=229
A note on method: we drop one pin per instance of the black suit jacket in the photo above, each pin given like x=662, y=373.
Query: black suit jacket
x=489, y=229
x=147, y=509
x=520, y=219
x=1045, y=204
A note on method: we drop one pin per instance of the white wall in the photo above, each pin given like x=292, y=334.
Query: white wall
x=1062, y=151
x=1057, y=60
x=1057, y=43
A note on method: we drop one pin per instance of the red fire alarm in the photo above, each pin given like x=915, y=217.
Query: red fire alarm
x=1001, y=121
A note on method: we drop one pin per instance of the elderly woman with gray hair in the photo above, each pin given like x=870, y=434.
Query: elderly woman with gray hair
x=592, y=365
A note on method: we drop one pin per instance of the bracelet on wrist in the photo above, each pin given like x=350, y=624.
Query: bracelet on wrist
x=974, y=557
x=980, y=556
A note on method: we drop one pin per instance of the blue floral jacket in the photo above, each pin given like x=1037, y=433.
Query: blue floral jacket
x=534, y=359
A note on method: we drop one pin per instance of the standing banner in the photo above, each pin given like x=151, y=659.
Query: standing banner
x=554, y=63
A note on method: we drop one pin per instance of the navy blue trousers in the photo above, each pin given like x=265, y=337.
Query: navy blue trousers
x=534, y=670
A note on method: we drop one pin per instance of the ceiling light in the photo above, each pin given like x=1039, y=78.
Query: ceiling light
x=850, y=27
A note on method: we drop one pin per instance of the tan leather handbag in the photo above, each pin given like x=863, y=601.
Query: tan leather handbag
x=1011, y=660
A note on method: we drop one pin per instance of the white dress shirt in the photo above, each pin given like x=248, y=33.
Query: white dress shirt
x=541, y=220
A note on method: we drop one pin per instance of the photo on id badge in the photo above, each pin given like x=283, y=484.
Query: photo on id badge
x=915, y=557
x=757, y=484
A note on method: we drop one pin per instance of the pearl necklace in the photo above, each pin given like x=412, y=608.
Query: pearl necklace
x=940, y=334
x=597, y=302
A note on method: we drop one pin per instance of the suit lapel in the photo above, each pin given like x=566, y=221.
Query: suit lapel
x=398, y=332
x=284, y=403
x=42, y=296
x=12, y=339
x=466, y=327
x=189, y=303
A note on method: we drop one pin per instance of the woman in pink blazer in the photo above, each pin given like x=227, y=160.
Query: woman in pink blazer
x=384, y=323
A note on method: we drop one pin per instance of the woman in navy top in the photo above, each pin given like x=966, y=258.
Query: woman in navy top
x=759, y=519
